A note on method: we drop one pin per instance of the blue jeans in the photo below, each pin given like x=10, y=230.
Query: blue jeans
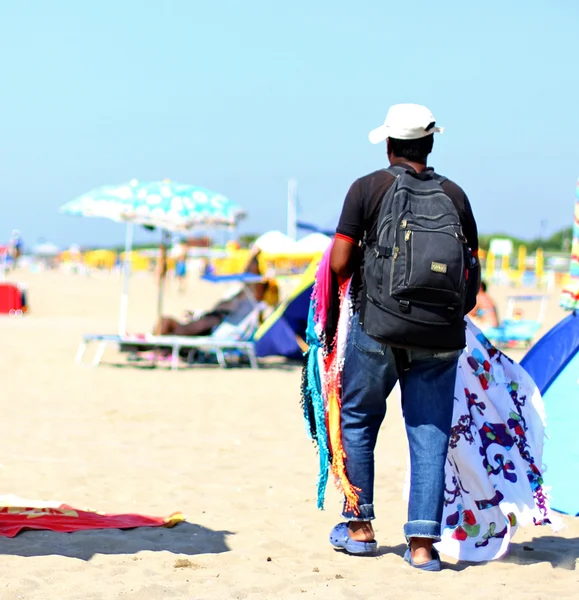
x=427, y=381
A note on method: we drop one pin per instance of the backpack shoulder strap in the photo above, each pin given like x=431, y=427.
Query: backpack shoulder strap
x=385, y=202
x=398, y=170
x=440, y=179
x=395, y=170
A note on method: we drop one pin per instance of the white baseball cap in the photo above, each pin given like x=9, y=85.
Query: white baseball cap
x=405, y=122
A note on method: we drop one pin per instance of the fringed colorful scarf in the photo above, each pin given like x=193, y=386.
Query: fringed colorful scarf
x=494, y=470
x=322, y=378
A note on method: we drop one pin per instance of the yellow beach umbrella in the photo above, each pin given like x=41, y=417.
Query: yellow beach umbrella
x=539, y=264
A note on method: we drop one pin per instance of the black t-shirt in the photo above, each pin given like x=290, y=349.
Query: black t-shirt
x=361, y=208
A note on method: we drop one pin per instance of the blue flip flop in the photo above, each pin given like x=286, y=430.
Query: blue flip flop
x=340, y=538
x=431, y=565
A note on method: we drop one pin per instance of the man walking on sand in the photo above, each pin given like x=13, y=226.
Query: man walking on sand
x=408, y=239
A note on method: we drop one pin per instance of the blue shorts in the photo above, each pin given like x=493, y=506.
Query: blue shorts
x=180, y=269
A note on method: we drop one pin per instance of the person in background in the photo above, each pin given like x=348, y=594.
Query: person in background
x=181, y=267
x=206, y=268
x=14, y=249
x=484, y=314
x=208, y=321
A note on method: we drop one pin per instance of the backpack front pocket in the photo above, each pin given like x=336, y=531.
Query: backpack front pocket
x=430, y=266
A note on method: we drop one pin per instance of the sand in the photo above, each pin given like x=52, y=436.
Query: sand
x=228, y=448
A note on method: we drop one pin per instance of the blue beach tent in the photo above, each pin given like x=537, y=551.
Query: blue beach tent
x=282, y=333
x=553, y=363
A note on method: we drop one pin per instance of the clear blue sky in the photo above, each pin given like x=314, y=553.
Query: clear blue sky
x=240, y=96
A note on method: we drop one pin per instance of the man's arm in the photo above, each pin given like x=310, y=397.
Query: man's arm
x=345, y=257
x=346, y=253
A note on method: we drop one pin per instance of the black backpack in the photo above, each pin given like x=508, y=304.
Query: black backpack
x=415, y=276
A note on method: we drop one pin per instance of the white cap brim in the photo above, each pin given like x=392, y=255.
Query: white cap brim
x=382, y=133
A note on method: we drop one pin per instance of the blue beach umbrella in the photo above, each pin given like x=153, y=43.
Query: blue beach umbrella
x=166, y=205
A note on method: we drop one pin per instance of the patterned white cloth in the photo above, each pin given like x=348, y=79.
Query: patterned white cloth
x=494, y=469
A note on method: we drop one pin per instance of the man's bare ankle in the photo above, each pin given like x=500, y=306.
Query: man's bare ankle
x=361, y=531
x=421, y=549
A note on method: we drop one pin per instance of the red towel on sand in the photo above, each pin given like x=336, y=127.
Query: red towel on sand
x=64, y=518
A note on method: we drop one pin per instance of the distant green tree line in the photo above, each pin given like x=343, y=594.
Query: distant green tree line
x=558, y=242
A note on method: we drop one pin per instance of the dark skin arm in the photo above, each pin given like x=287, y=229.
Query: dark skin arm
x=344, y=258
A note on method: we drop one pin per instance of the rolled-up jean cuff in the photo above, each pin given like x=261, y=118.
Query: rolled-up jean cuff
x=422, y=529
x=366, y=513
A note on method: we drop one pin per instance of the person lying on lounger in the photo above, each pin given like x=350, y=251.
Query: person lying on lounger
x=484, y=314
x=205, y=323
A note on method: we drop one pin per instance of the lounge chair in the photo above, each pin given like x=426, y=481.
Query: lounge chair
x=233, y=335
x=514, y=331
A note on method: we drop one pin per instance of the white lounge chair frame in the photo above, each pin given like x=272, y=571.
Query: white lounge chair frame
x=225, y=337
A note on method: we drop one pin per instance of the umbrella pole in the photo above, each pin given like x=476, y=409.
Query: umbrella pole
x=126, y=275
x=162, y=276
x=162, y=269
